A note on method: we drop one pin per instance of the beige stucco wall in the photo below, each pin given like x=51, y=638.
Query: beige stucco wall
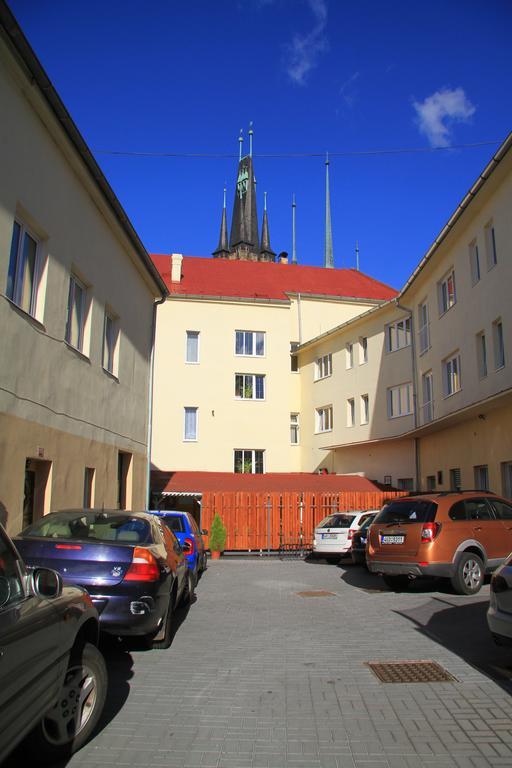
x=43, y=381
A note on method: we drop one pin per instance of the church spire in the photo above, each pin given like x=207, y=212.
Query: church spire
x=328, y=253
x=267, y=254
x=222, y=250
x=294, y=233
x=244, y=238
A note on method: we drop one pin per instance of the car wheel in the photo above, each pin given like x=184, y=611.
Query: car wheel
x=469, y=576
x=163, y=639
x=396, y=583
x=66, y=727
x=189, y=591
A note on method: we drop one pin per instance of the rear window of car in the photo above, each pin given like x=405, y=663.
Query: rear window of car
x=413, y=511
x=175, y=523
x=92, y=526
x=337, y=521
x=367, y=522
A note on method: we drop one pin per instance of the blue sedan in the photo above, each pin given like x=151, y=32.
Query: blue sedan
x=186, y=530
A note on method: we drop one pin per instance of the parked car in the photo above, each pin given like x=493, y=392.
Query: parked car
x=499, y=614
x=333, y=535
x=458, y=535
x=53, y=679
x=131, y=565
x=190, y=537
x=359, y=541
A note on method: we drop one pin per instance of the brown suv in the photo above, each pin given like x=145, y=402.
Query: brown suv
x=458, y=535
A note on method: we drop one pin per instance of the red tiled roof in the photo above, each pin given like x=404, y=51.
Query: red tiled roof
x=267, y=280
x=201, y=482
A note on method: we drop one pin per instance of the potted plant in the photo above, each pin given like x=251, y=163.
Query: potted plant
x=217, y=537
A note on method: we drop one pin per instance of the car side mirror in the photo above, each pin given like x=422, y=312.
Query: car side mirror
x=5, y=590
x=46, y=583
x=204, y=532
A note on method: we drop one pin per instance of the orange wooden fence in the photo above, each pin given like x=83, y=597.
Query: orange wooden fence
x=260, y=521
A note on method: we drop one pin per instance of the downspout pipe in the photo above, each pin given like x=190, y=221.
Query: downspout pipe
x=150, y=399
x=414, y=390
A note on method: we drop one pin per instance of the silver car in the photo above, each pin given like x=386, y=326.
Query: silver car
x=499, y=615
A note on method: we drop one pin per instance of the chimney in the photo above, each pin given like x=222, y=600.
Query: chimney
x=283, y=258
x=176, y=261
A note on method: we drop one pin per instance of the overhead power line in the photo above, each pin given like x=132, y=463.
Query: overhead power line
x=291, y=155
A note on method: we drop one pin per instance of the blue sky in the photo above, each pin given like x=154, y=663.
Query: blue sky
x=183, y=76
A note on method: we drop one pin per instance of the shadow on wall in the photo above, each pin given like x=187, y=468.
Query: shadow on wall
x=3, y=514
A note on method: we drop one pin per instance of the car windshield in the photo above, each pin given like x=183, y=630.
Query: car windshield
x=369, y=520
x=409, y=511
x=174, y=523
x=337, y=521
x=92, y=526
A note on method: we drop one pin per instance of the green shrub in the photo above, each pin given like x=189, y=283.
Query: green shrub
x=218, y=534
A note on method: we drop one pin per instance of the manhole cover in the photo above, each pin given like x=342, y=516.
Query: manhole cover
x=410, y=672
x=317, y=593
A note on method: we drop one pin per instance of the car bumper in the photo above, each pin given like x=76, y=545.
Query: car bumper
x=500, y=624
x=136, y=614
x=444, y=570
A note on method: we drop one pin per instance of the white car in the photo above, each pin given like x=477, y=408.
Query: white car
x=333, y=535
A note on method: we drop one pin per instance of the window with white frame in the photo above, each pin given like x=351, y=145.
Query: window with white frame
x=474, y=262
x=481, y=474
x=351, y=412
x=428, y=397
x=490, y=245
x=365, y=409
x=363, y=350
x=294, y=428
x=446, y=293
x=77, y=313
x=323, y=367
x=481, y=355
x=192, y=353
x=249, y=386
x=451, y=374
x=431, y=482
x=190, y=431
x=398, y=334
x=24, y=269
x=455, y=479
x=250, y=343
x=499, y=347
x=110, y=343
x=506, y=479
x=349, y=348
x=249, y=461
x=400, y=400
x=324, y=419
x=405, y=483
x=294, y=359
x=423, y=328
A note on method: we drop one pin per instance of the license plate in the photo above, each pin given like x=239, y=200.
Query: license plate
x=329, y=535
x=392, y=539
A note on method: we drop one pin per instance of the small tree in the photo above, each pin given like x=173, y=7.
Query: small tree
x=218, y=534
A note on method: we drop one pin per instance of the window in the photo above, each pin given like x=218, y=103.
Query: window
x=455, y=482
x=323, y=367
x=294, y=428
x=89, y=487
x=447, y=296
x=506, y=479
x=110, y=343
x=351, y=412
x=400, y=400
x=249, y=386
x=481, y=355
x=324, y=419
x=423, y=328
x=75, y=326
x=431, y=482
x=23, y=274
x=490, y=245
x=428, y=397
x=294, y=360
x=474, y=262
x=502, y=510
x=249, y=462
x=405, y=483
x=451, y=375
x=363, y=350
x=398, y=334
x=365, y=409
x=481, y=475
x=250, y=343
x=192, y=355
x=190, y=432
x=499, y=348
x=350, y=354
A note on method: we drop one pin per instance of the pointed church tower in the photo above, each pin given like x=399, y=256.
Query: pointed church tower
x=267, y=254
x=244, y=239
x=222, y=250
x=328, y=253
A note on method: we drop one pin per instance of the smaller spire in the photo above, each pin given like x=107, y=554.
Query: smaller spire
x=328, y=252
x=241, y=141
x=251, y=132
x=222, y=249
x=357, y=255
x=266, y=250
x=294, y=239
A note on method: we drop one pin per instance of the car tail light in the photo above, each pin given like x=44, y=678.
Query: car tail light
x=350, y=533
x=68, y=546
x=188, y=546
x=429, y=531
x=144, y=567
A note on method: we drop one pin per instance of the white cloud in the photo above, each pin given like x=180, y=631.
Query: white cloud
x=436, y=115
x=304, y=50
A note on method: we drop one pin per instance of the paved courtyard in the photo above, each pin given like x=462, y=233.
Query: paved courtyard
x=258, y=676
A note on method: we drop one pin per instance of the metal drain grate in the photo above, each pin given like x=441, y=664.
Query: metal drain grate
x=410, y=672
x=317, y=593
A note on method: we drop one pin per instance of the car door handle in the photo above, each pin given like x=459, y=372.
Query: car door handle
x=478, y=528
